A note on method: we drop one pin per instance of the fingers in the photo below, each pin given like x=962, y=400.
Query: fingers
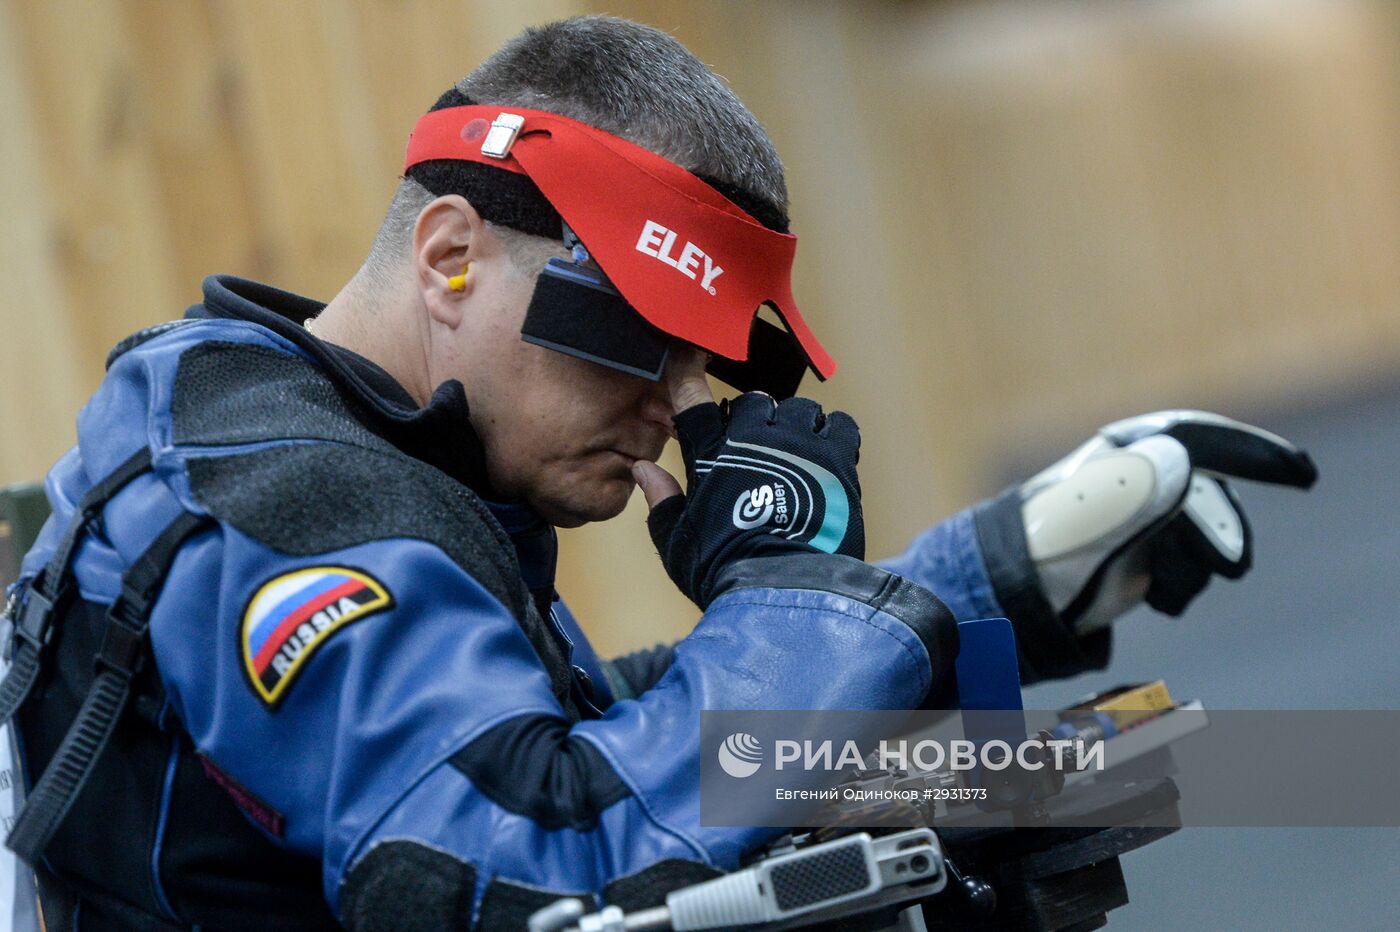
x=1210, y=536
x=699, y=424
x=757, y=409
x=752, y=410
x=837, y=427
x=662, y=521
x=704, y=429
x=685, y=379
x=1220, y=537
x=700, y=430
x=1223, y=445
x=801, y=413
x=841, y=427
x=1246, y=453
x=1177, y=575
x=656, y=483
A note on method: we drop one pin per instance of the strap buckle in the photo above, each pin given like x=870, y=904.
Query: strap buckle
x=8, y=624
x=502, y=135
x=123, y=649
x=124, y=638
x=34, y=624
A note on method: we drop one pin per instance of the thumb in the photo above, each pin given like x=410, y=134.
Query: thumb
x=657, y=484
x=685, y=381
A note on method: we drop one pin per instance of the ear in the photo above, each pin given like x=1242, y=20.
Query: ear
x=447, y=236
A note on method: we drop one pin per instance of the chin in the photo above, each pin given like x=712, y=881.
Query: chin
x=605, y=501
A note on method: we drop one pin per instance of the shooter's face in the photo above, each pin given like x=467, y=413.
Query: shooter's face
x=560, y=433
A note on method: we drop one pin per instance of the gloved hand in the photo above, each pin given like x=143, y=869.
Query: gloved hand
x=773, y=503
x=763, y=478
x=1143, y=511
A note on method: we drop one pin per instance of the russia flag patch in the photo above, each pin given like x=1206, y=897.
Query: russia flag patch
x=293, y=614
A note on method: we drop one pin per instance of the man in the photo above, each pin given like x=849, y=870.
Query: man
x=302, y=592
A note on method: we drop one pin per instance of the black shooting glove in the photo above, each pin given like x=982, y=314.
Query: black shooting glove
x=763, y=478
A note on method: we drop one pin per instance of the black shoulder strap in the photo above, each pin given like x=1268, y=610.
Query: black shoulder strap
x=32, y=627
x=121, y=656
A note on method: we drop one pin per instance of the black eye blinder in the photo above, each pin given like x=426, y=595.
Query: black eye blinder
x=576, y=311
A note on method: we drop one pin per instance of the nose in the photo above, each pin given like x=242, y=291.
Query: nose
x=656, y=407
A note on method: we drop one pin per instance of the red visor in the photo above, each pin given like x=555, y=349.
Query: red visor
x=689, y=260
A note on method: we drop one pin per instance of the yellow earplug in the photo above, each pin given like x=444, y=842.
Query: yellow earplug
x=459, y=282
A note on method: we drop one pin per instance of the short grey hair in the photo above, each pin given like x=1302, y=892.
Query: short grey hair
x=624, y=78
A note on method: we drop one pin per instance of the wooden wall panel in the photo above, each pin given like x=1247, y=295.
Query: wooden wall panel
x=305, y=119
x=1165, y=191
x=188, y=86
x=41, y=377
x=111, y=241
